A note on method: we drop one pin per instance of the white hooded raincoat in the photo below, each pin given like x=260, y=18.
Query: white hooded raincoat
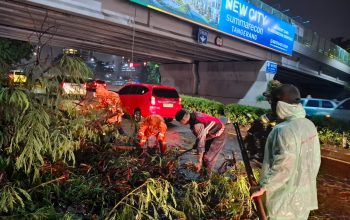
x=291, y=163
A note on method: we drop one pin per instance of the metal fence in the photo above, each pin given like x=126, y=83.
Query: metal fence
x=308, y=37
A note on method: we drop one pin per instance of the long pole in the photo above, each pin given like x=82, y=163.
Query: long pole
x=252, y=181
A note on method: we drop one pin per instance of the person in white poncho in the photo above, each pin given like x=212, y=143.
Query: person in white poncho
x=291, y=160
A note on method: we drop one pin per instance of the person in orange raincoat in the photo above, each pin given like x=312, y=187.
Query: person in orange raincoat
x=110, y=101
x=102, y=99
x=152, y=133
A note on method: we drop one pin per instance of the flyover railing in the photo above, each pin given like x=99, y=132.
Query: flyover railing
x=306, y=36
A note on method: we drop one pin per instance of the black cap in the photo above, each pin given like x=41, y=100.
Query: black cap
x=271, y=85
x=287, y=93
x=180, y=114
x=267, y=95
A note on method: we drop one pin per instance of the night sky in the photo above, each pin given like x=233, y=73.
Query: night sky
x=329, y=18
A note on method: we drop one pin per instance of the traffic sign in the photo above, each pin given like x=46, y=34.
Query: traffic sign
x=202, y=36
x=271, y=67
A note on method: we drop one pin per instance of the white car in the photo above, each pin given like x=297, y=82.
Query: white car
x=342, y=111
x=70, y=86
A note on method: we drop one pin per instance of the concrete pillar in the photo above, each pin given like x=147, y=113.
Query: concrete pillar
x=257, y=89
x=227, y=82
x=230, y=82
x=182, y=76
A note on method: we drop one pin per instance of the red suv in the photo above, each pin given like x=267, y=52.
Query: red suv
x=145, y=99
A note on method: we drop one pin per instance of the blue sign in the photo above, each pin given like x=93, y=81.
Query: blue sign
x=233, y=17
x=271, y=67
x=202, y=36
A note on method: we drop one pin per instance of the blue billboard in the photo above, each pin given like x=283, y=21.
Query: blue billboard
x=233, y=17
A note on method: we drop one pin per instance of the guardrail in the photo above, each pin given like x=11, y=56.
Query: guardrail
x=308, y=37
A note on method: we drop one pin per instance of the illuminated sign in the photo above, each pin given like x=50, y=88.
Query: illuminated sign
x=135, y=65
x=70, y=51
x=233, y=17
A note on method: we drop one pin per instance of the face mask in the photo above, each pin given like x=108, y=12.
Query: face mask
x=285, y=110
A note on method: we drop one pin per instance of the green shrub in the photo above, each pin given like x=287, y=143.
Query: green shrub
x=333, y=124
x=331, y=131
x=331, y=137
x=327, y=136
x=198, y=104
x=242, y=114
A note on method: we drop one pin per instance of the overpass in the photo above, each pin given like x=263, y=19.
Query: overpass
x=231, y=72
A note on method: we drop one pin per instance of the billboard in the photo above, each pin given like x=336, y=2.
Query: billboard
x=233, y=17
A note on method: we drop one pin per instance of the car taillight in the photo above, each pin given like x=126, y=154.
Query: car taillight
x=95, y=84
x=180, y=99
x=84, y=85
x=105, y=85
x=153, y=100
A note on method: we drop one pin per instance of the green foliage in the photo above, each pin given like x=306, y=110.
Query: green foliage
x=333, y=124
x=12, y=51
x=234, y=112
x=207, y=106
x=153, y=76
x=14, y=101
x=331, y=131
x=66, y=134
x=193, y=200
x=273, y=84
x=31, y=140
x=80, y=188
x=152, y=200
x=46, y=212
x=329, y=137
x=73, y=67
x=242, y=114
x=260, y=98
x=10, y=196
x=68, y=216
x=33, y=128
x=232, y=197
x=219, y=197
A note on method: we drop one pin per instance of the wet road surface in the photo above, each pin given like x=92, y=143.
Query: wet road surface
x=333, y=198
